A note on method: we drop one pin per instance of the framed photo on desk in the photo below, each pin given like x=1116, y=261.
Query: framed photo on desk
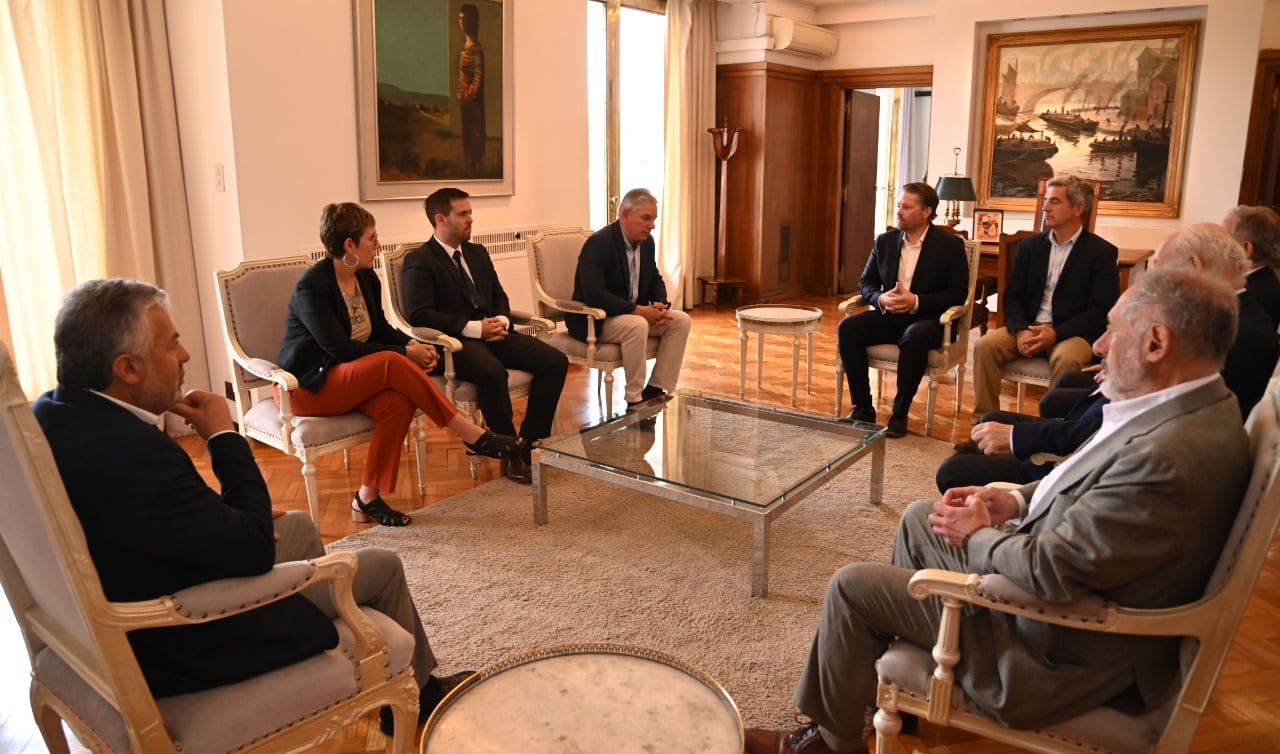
x=987, y=225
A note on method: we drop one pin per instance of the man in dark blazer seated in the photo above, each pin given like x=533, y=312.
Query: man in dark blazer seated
x=1005, y=444
x=450, y=284
x=1056, y=300
x=154, y=527
x=1135, y=517
x=914, y=274
x=1257, y=229
x=618, y=272
x=1210, y=251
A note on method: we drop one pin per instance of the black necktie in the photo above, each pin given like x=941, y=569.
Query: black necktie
x=473, y=293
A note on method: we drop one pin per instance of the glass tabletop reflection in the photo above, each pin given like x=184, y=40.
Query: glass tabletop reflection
x=741, y=452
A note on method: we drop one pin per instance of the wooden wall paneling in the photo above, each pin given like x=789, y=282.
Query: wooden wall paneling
x=740, y=99
x=825, y=187
x=787, y=114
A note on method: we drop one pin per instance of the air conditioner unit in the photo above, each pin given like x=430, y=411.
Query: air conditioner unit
x=802, y=38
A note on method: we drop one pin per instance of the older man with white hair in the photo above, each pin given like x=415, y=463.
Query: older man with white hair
x=1135, y=517
x=1210, y=250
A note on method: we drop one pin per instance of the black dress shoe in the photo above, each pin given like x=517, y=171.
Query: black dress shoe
x=650, y=392
x=517, y=469
x=865, y=414
x=804, y=740
x=429, y=697
x=897, y=426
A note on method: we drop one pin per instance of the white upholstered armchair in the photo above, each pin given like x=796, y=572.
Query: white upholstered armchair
x=84, y=671
x=919, y=680
x=553, y=261
x=255, y=301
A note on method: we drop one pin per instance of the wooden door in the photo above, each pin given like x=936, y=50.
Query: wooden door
x=861, y=149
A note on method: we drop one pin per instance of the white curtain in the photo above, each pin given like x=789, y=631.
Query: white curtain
x=91, y=170
x=688, y=235
x=908, y=157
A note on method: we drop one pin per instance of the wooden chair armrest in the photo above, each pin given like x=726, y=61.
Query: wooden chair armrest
x=1040, y=459
x=577, y=307
x=850, y=303
x=223, y=598
x=951, y=315
x=1090, y=613
x=531, y=322
x=434, y=337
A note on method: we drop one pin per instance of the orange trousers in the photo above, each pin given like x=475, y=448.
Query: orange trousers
x=386, y=387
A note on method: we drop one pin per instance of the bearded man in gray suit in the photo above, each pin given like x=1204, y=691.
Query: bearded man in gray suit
x=1135, y=516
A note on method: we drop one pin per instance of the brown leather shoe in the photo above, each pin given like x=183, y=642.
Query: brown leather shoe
x=515, y=468
x=805, y=740
x=966, y=446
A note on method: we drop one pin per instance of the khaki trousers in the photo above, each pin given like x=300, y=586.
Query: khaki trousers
x=633, y=332
x=999, y=347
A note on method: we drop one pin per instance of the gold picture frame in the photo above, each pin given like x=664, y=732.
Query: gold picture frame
x=434, y=82
x=1110, y=103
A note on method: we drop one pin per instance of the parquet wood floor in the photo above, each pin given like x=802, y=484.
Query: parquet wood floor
x=1243, y=718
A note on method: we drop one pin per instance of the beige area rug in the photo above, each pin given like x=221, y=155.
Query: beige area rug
x=619, y=566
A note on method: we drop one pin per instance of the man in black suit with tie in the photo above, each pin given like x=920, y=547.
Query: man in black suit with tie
x=154, y=527
x=450, y=285
x=914, y=274
x=1063, y=282
x=1257, y=229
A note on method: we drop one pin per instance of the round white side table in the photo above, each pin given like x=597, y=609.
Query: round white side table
x=777, y=318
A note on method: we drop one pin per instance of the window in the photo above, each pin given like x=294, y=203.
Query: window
x=634, y=158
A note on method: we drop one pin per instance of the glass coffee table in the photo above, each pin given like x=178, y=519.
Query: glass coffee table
x=727, y=456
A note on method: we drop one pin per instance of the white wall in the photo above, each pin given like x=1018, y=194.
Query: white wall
x=1219, y=109
x=950, y=35
x=268, y=88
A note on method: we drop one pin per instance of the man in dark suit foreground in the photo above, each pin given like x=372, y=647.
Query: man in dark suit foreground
x=1135, y=516
x=618, y=272
x=914, y=274
x=1004, y=445
x=1257, y=230
x=1055, y=303
x=450, y=285
x=154, y=527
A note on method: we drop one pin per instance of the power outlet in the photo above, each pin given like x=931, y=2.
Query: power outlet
x=219, y=177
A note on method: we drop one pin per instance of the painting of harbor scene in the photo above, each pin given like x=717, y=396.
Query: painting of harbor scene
x=1109, y=104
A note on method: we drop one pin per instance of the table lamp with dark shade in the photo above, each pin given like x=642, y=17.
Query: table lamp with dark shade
x=955, y=188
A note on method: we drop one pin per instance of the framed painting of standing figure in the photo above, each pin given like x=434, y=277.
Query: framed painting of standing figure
x=434, y=93
x=1105, y=103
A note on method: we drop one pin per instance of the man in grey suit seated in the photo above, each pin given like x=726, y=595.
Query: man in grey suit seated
x=1135, y=516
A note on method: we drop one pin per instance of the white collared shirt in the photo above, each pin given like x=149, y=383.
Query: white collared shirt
x=908, y=258
x=1114, y=416
x=146, y=416
x=1058, y=254
x=474, y=328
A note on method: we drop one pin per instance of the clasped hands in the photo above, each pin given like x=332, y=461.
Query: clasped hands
x=898, y=300
x=655, y=313
x=1035, y=339
x=963, y=510
x=422, y=354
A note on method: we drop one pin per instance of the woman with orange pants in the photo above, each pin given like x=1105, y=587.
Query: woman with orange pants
x=346, y=356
